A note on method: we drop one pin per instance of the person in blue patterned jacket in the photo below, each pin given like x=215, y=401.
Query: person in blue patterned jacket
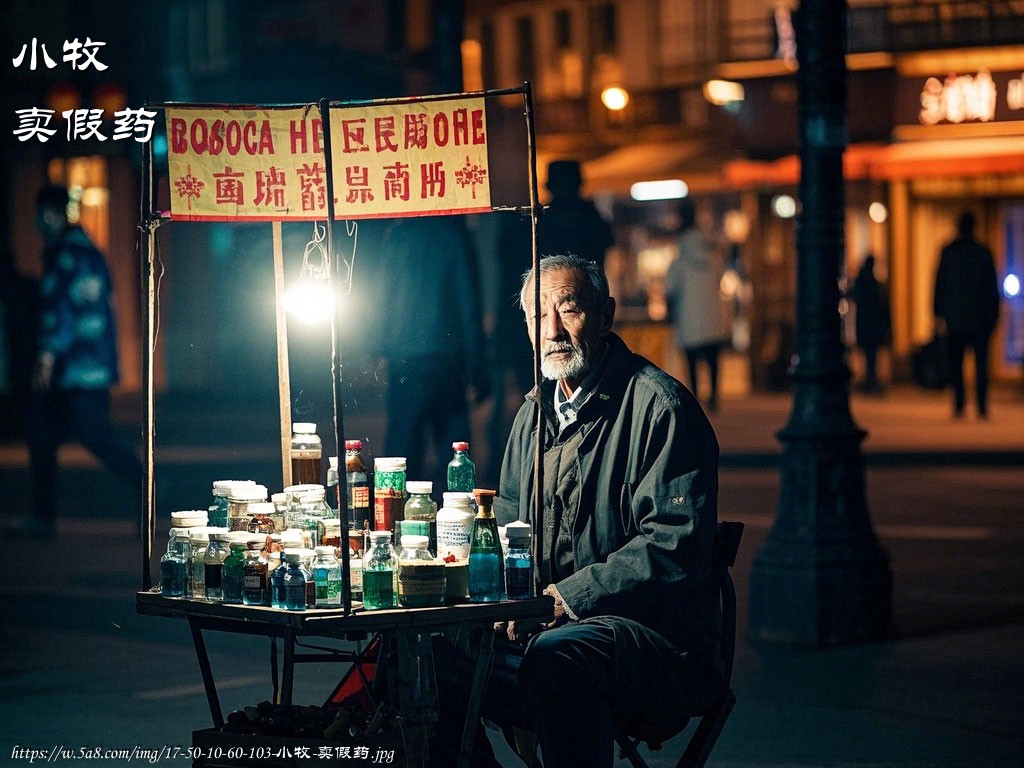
x=76, y=364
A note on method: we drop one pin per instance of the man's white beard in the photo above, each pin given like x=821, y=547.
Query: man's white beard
x=572, y=367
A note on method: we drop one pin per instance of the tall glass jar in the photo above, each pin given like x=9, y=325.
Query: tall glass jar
x=213, y=560
x=232, y=573
x=174, y=564
x=327, y=578
x=306, y=453
x=357, y=479
x=422, y=507
x=420, y=574
x=255, y=579
x=380, y=572
x=388, y=492
x=239, y=499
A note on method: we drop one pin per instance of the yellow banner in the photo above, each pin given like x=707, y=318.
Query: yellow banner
x=259, y=164
x=263, y=164
x=421, y=157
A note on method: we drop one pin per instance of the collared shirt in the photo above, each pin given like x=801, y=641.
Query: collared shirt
x=566, y=408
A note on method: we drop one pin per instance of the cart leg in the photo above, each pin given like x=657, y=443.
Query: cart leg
x=476, y=696
x=204, y=669
x=288, y=668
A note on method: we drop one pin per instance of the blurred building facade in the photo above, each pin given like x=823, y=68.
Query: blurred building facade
x=935, y=126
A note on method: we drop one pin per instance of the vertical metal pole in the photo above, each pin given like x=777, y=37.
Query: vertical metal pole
x=339, y=407
x=538, y=462
x=147, y=242
x=284, y=389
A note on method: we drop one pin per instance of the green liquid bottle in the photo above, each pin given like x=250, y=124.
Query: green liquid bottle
x=380, y=573
x=461, y=469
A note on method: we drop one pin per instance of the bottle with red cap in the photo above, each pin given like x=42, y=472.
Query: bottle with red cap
x=461, y=469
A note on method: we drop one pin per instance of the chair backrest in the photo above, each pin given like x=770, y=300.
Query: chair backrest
x=727, y=544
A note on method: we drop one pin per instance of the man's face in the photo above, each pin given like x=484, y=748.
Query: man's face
x=571, y=334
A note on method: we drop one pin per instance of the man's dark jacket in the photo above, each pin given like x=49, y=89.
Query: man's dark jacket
x=966, y=288
x=645, y=518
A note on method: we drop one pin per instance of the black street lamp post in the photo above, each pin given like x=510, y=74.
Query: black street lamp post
x=821, y=577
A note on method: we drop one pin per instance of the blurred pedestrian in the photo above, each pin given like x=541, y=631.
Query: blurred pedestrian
x=432, y=338
x=700, y=318
x=571, y=223
x=966, y=308
x=19, y=317
x=76, y=363
x=872, y=321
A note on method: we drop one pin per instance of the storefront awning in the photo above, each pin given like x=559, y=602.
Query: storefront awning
x=1002, y=155
x=695, y=162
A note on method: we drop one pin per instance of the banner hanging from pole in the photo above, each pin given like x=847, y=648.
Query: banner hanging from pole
x=407, y=158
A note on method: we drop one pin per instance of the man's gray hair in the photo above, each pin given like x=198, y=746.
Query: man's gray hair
x=595, y=281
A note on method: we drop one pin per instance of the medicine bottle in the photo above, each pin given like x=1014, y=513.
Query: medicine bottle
x=261, y=517
x=239, y=499
x=518, y=562
x=306, y=453
x=174, y=564
x=380, y=572
x=388, y=492
x=213, y=561
x=327, y=578
x=420, y=574
x=277, y=580
x=232, y=570
x=454, y=525
x=255, y=579
x=422, y=507
x=486, y=569
x=294, y=581
x=461, y=469
x=218, y=512
x=357, y=478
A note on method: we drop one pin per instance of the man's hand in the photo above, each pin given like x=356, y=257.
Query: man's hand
x=521, y=631
x=42, y=374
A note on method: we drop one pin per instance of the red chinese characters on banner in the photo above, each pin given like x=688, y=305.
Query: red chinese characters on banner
x=412, y=158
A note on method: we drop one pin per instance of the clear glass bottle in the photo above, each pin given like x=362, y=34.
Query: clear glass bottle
x=306, y=453
x=388, y=492
x=261, y=517
x=380, y=572
x=420, y=506
x=213, y=561
x=461, y=469
x=454, y=525
x=218, y=511
x=240, y=497
x=294, y=581
x=255, y=579
x=174, y=564
x=280, y=502
x=327, y=578
x=420, y=574
x=232, y=572
x=518, y=562
x=486, y=571
x=357, y=479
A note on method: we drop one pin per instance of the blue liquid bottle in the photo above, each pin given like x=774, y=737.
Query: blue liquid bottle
x=518, y=562
x=174, y=564
x=486, y=570
x=294, y=581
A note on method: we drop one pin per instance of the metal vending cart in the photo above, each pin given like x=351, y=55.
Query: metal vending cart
x=328, y=161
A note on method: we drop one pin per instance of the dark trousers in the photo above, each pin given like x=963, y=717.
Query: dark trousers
x=60, y=415
x=571, y=685
x=957, y=344
x=709, y=354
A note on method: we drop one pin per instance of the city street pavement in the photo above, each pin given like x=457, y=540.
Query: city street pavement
x=79, y=668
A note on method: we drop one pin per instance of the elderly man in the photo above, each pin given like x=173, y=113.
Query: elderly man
x=630, y=496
